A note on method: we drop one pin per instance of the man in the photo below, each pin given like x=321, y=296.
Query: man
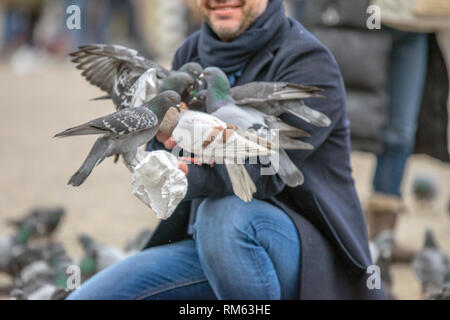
x=307, y=242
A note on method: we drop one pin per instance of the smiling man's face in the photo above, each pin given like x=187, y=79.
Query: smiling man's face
x=230, y=18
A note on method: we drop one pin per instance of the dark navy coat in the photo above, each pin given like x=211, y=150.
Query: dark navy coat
x=326, y=208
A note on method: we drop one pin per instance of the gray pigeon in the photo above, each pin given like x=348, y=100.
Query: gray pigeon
x=443, y=293
x=272, y=98
x=123, y=132
x=381, y=252
x=431, y=265
x=40, y=222
x=116, y=70
x=220, y=104
x=97, y=256
x=7, y=244
x=425, y=188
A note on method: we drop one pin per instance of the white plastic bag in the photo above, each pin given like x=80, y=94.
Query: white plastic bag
x=157, y=181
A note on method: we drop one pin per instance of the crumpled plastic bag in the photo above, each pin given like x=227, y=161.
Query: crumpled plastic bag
x=157, y=182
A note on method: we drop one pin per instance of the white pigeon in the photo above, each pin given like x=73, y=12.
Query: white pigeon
x=214, y=141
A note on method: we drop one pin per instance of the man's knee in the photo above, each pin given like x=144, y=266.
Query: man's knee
x=223, y=215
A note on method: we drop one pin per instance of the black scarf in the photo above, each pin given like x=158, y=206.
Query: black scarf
x=232, y=56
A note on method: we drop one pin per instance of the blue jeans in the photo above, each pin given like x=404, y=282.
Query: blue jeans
x=239, y=251
x=409, y=60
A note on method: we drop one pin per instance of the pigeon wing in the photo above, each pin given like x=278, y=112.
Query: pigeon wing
x=264, y=92
x=126, y=121
x=101, y=63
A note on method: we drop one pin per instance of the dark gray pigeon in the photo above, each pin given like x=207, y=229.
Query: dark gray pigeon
x=122, y=132
x=220, y=104
x=40, y=222
x=431, y=265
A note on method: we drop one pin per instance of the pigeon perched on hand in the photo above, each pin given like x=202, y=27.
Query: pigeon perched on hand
x=221, y=104
x=123, y=132
x=431, y=265
x=272, y=98
x=122, y=72
x=212, y=140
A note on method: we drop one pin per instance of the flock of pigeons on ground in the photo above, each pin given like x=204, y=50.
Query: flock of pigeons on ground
x=431, y=265
x=40, y=267
x=236, y=124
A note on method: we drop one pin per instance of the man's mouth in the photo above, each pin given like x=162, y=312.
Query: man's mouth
x=226, y=8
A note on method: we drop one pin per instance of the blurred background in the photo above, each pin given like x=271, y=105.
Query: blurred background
x=400, y=159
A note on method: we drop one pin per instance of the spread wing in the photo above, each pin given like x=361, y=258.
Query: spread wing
x=101, y=63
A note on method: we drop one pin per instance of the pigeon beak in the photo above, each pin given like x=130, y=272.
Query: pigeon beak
x=183, y=106
x=201, y=76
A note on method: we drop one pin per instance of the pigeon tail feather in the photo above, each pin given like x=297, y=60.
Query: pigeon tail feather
x=288, y=171
x=80, y=130
x=287, y=143
x=242, y=183
x=307, y=114
x=95, y=156
x=105, y=97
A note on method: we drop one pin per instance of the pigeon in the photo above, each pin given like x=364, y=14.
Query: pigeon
x=214, y=141
x=272, y=98
x=122, y=72
x=381, y=252
x=40, y=222
x=431, y=265
x=39, y=273
x=123, y=132
x=220, y=104
x=39, y=289
x=443, y=293
x=97, y=256
x=7, y=243
x=424, y=188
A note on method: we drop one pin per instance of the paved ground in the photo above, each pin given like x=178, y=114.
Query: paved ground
x=35, y=169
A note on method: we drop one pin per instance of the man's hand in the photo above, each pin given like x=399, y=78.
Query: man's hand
x=169, y=143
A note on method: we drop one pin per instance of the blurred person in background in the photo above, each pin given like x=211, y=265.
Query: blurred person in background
x=110, y=21
x=414, y=62
x=307, y=242
x=35, y=25
x=397, y=90
x=20, y=19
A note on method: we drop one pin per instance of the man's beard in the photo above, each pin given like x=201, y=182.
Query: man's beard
x=227, y=34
